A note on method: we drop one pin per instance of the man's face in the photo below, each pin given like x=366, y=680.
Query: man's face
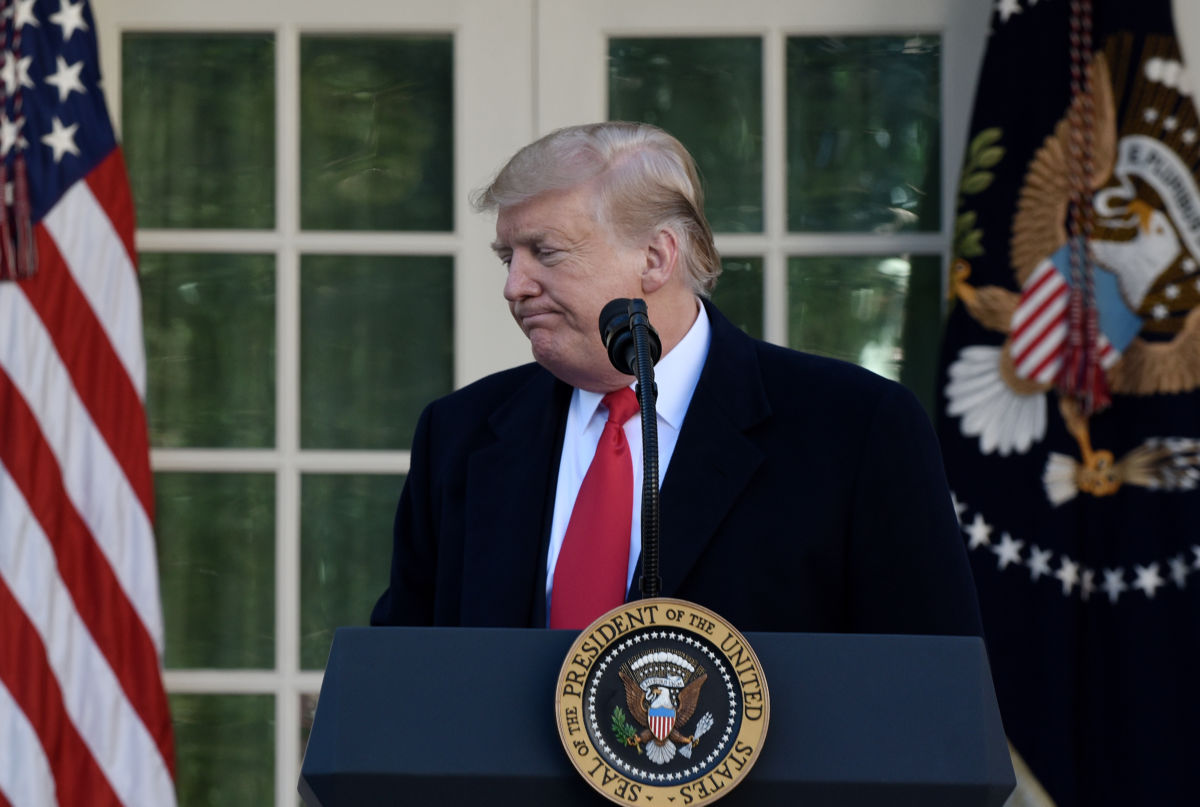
x=564, y=264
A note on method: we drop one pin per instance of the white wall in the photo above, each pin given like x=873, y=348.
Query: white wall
x=1187, y=28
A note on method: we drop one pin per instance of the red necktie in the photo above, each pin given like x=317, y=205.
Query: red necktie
x=593, y=563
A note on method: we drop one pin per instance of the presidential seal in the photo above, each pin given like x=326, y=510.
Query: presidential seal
x=662, y=697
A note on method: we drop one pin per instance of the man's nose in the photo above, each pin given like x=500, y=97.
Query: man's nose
x=520, y=282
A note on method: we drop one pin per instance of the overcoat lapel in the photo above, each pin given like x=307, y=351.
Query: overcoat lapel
x=511, y=483
x=714, y=460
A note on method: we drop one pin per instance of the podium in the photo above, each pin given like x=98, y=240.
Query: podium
x=466, y=716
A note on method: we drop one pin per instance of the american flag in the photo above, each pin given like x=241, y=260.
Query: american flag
x=83, y=712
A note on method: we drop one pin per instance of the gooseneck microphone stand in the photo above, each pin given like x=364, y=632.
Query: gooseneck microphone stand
x=633, y=348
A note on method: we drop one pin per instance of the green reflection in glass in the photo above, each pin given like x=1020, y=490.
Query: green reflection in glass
x=708, y=93
x=345, y=538
x=216, y=560
x=198, y=123
x=225, y=749
x=864, y=134
x=366, y=370
x=880, y=312
x=209, y=324
x=739, y=293
x=376, y=133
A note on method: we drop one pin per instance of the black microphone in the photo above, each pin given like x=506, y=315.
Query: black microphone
x=619, y=320
x=633, y=348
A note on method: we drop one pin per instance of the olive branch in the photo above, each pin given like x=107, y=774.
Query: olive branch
x=983, y=153
x=621, y=727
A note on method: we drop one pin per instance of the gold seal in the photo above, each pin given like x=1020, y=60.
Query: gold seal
x=662, y=697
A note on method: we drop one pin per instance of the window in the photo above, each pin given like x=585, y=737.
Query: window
x=312, y=274
x=824, y=143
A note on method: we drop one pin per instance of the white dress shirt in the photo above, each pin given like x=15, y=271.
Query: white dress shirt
x=676, y=375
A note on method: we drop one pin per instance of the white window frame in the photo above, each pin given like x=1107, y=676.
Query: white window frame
x=493, y=116
x=572, y=52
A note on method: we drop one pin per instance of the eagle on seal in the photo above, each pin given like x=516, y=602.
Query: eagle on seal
x=680, y=704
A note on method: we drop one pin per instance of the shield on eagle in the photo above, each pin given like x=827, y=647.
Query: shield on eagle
x=662, y=720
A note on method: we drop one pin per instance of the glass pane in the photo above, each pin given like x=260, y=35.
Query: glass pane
x=210, y=349
x=376, y=133
x=198, y=117
x=345, y=540
x=216, y=559
x=879, y=312
x=365, y=371
x=864, y=133
x=739, y=293
x=708, y=93
x=225, y=750
x=308, y=711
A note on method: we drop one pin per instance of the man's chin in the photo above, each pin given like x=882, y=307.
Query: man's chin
x=551, y=360
x=545, y=354
x=596, y=377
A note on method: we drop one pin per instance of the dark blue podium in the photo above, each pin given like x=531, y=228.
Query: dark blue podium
x=466, y=716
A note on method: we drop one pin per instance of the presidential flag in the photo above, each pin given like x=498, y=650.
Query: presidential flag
x=83, y=712
x=1069, y=409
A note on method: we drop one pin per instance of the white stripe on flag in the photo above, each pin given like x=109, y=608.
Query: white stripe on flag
x=92, y=477
x=1108, y=354
x=25, y=777
x=92, y=696
x=1024, y=336
x=1050, y=345
x=100, y=264
x=1050, y=281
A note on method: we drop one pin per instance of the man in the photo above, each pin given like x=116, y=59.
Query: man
x=798, y=493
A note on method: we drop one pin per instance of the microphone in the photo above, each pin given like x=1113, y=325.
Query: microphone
x=633, y=347
x=620, y=321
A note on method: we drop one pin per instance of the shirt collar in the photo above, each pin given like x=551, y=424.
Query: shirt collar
x=675, y=375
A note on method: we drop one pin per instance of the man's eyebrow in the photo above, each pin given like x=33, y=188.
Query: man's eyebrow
x=533, y=237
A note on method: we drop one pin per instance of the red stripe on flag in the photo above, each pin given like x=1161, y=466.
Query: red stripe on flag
x=1041, y=309
x=1039, y=339
x=3, y=801
x=1054, y=357
x=26, y=673
x=96, y=370
x=1043, y=274
x=1032, y=318
x=101, y=602
x=108, y=183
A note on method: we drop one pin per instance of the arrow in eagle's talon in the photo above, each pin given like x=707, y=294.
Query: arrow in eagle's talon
x=703, y=726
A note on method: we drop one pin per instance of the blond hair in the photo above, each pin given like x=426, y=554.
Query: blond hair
x=645, y=181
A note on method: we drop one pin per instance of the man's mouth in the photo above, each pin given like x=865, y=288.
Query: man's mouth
x=532, y=319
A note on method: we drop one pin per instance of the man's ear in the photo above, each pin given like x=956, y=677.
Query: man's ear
x=662, y=260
